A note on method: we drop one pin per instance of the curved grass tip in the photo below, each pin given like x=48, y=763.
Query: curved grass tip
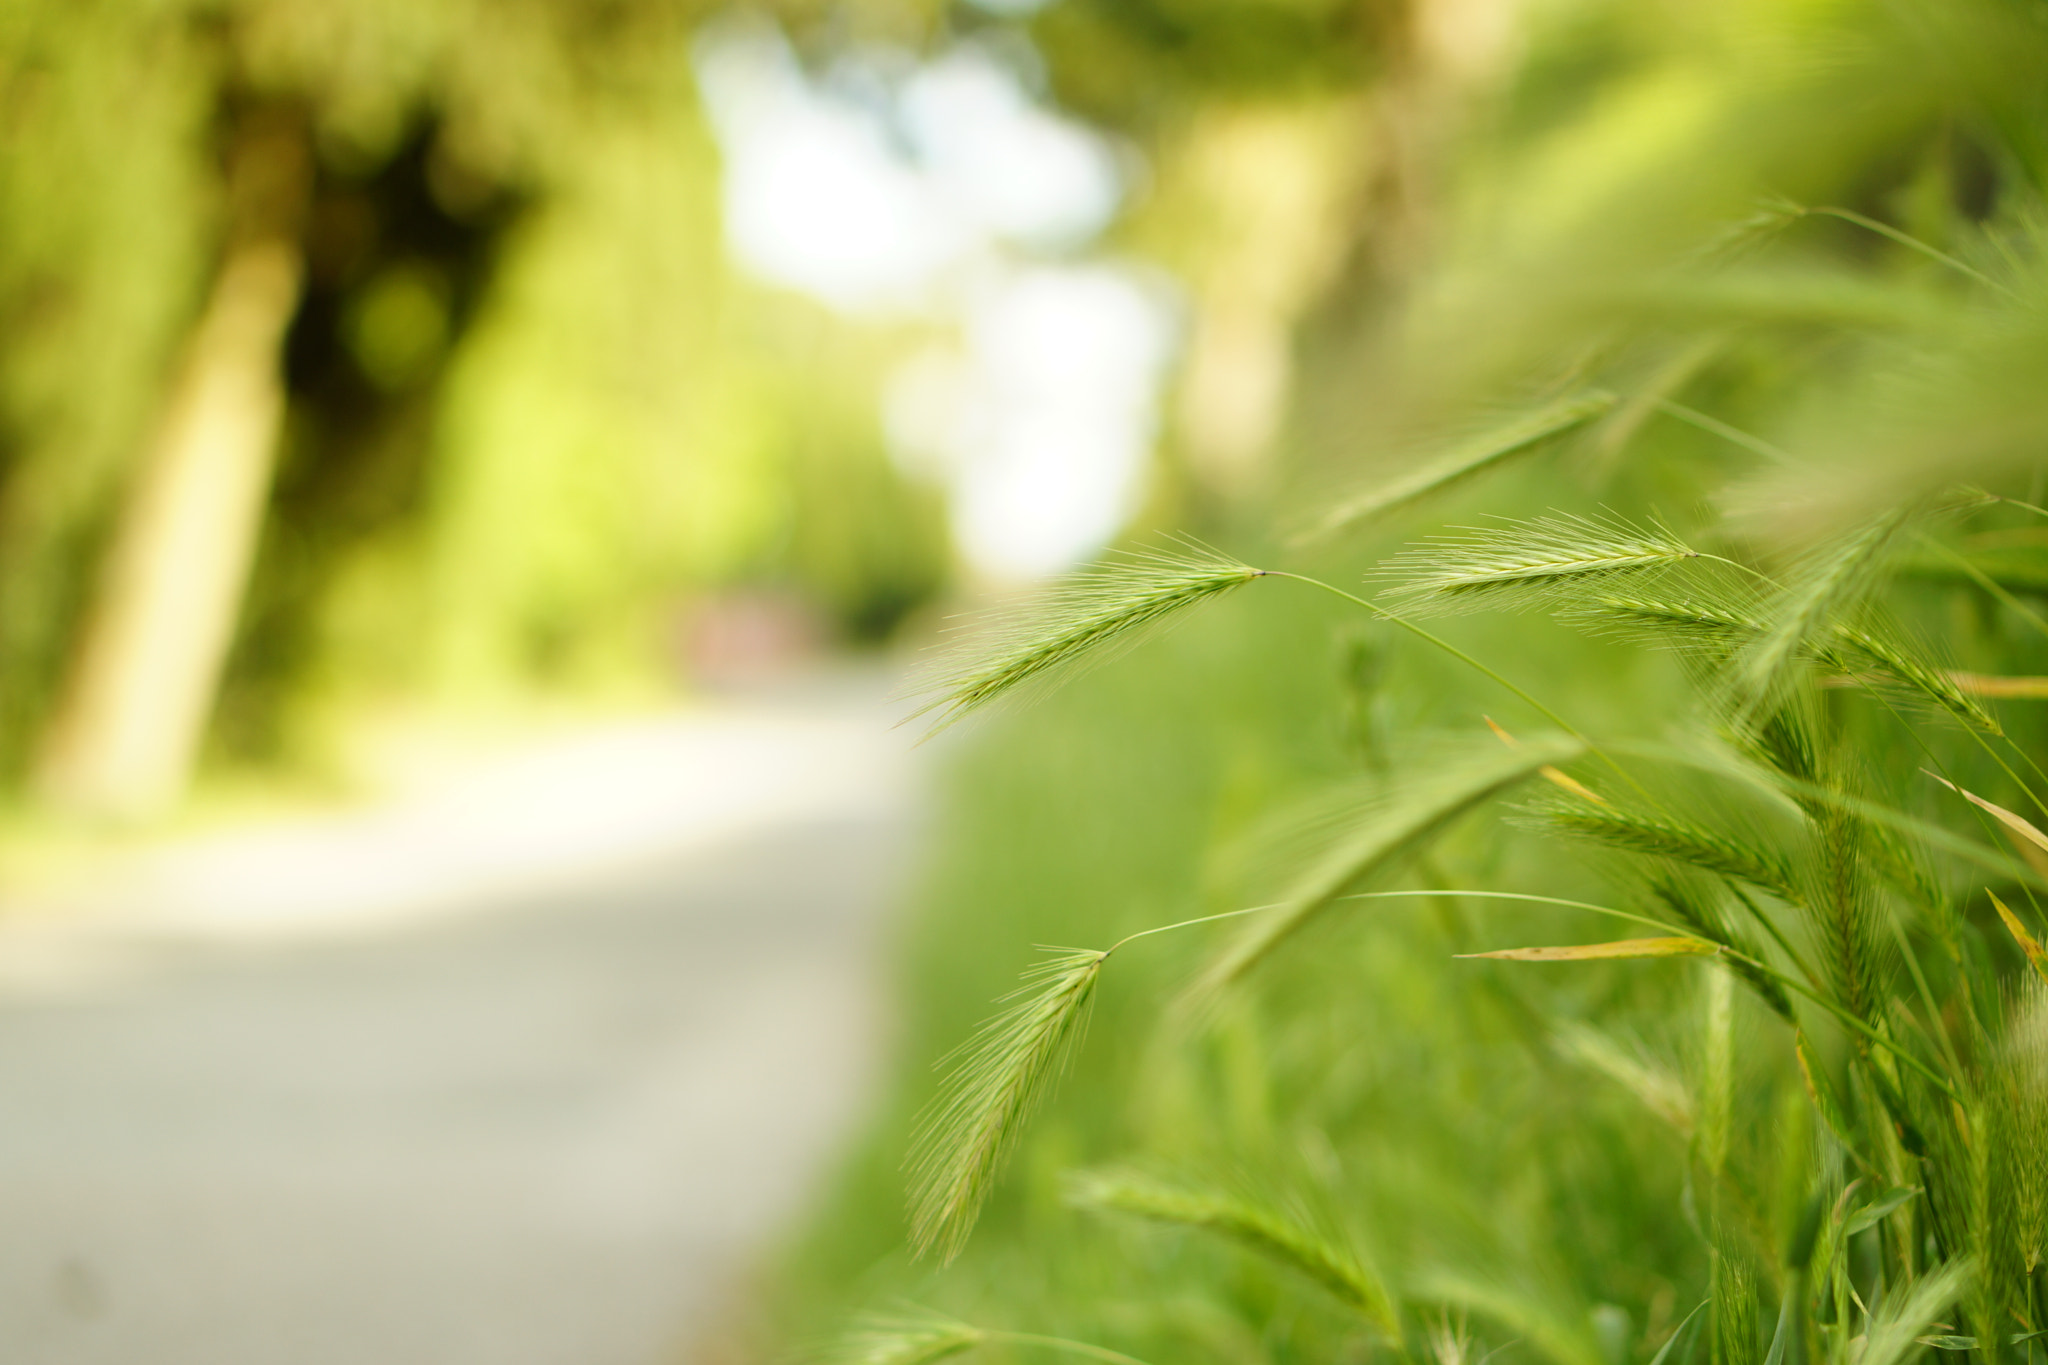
x=1087, y=619
x=919, y=1338
x=1323, y=1259
x=1515, y=433
x=993, y=1083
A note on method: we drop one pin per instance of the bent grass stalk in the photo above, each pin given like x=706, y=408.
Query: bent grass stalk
x=1336, y=1268
x=1910, y=242
x=1714, y=426
x=926, y=1338
x=994, y=1082
x=1517, y=434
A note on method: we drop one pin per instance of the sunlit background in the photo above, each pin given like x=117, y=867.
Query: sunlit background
x=369, y=362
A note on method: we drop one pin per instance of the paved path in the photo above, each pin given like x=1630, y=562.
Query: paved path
x=519, y=1072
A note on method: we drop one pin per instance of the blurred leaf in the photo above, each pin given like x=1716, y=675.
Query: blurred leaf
x=1875, y=1212
x=1588, y=952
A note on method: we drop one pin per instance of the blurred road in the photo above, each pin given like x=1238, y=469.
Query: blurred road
x=521, y=1070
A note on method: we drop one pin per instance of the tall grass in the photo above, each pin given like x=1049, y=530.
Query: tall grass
x=1796, y=1111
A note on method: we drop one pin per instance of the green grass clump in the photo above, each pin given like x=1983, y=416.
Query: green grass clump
x=1723, y=1048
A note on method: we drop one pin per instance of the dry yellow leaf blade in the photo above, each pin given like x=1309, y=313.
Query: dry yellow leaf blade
x=2017, y=824
x=1590, y=952
x=2029, y=945
x=1548, y=772
x=1984, y=685
x=1561, y=778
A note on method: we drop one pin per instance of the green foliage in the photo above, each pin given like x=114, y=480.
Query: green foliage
x=531, y=411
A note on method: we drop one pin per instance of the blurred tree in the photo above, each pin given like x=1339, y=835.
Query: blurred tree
x=151, y=653
x=467, y=384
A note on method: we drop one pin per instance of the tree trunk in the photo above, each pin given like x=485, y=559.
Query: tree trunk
x=149, y=659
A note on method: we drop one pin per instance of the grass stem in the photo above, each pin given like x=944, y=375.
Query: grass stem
x=1714, y=426
x=1911, y=243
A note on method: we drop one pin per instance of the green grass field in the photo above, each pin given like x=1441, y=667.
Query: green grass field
x=1695, y=562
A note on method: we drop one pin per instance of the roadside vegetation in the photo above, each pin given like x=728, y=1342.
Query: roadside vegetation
x=1563, y=881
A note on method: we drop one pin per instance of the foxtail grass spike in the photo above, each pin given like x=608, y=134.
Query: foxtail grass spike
x=1851, y=645
x=1898, y=1321
x=1845, y=915
x=1084, y=621
x=1656, y=836
x=993, y=1083
x=1525, y=564
x=1515, y=435
x=1681, y=623
x=1684, y=903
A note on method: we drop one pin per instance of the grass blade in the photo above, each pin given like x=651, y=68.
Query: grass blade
x=1520, y=432
x=1086, y=620
x=2019, y=825
x=993, y=1082
x=1594, y=952
x=2031, y=946
x=1324, y=1261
